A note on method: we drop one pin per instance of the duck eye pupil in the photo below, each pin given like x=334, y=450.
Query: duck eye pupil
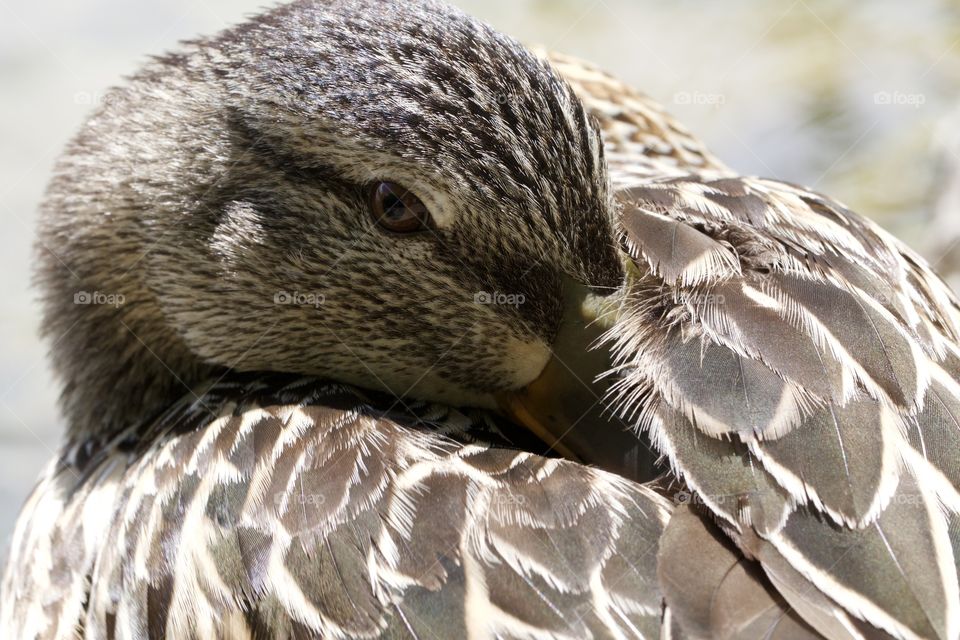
x=394, y=206
x=397, y=209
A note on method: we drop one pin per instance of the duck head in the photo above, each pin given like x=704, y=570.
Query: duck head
x=388, y=194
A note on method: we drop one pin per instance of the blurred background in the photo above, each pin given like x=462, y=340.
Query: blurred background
x=859, y=100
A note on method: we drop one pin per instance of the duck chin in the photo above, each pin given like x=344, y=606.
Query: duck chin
x=524, y=362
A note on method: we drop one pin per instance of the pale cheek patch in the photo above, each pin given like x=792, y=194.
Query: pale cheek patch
x=524, y=361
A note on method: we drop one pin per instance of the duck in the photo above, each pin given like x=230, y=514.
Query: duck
x=371, y=322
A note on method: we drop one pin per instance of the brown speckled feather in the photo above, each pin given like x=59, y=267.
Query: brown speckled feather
x=797, y=368
x=793, y=362
x=714, y=592
x=301, y=509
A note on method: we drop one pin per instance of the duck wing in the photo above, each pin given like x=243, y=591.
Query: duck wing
x=800, y=370
x=712, y=591
x=312, y=510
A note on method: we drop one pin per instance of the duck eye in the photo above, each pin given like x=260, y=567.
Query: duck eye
x=396, y=209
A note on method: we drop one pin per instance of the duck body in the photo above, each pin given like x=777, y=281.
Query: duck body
x=308, y=509
x=785, y=375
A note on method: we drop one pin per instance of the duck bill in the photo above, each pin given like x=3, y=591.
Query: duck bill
x=566, y=407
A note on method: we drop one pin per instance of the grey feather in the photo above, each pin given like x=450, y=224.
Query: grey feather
x=724, y=391
x=798, y=368
x=722, y=472
x=834, y=398
x=893, y=564
x=379, y=528
x=837, y=454
x=715, y=592
x=883, y=351
x=935, y=432
x=676, y=252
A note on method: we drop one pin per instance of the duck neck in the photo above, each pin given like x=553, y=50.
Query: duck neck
x=117, y=360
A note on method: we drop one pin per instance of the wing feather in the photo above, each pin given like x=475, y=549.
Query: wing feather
x=889, y=572
x=305, y=512
x=837, y=460
x=676, y=252
x=808, y=394
x=715, y=592
x=722, y=472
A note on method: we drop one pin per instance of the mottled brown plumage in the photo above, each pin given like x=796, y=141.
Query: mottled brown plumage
x=237, y=466
x=235, y=171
